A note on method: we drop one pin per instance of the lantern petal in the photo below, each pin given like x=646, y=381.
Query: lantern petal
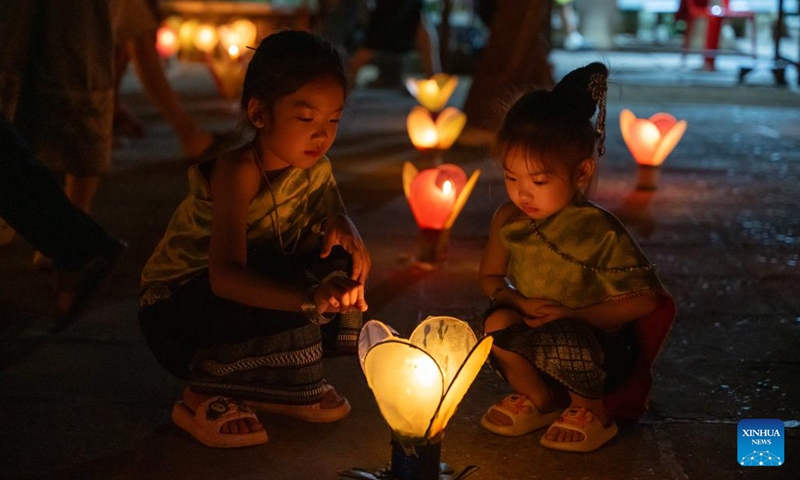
x=372, y=333
x=449, y=124
x=421, y=128
x=663, y=122
x=626, y=119
x=463, y=379
x=463, y=196
x=429, y=203
x=447, y=85
x=411, y=86
x=407, y=385
x=409, y=172
x=645, y=138
x=669, y=142
x=447, y=340
x=454, y=173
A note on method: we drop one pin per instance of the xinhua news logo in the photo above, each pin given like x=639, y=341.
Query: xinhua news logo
x=760, y=442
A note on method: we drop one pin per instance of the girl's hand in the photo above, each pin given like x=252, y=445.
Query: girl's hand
x=546, y=314
x=532, y=307
x=339, y=230
x=340, y=294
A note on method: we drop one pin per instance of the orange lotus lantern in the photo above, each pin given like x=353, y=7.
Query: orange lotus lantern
x=432, y=93
x=650, y=142
x=434, y=133
x=436, y=197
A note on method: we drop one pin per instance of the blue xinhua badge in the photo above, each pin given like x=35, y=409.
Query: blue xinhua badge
x=760, y=442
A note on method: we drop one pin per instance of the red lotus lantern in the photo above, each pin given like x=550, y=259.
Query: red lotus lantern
x=436, y=197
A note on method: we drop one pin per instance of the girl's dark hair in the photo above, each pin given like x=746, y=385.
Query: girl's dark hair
x=554, y=128
x=286, y=61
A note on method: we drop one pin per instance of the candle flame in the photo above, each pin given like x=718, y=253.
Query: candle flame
x=447, y=187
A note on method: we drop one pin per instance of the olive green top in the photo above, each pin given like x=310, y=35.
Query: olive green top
x=579, y=257
x=183, y=251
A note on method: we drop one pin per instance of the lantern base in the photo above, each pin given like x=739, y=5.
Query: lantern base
x=648, y=177
x=433, y=245
x=420, y=462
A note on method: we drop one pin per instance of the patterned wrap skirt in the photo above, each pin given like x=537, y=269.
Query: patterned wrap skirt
x=586, y=360
x=223, y=347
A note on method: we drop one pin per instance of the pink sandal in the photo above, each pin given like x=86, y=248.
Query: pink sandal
x=525, y=417
x=595, y=435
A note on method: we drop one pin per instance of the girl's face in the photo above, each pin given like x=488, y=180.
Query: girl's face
x=538, y=193
x=302, y=126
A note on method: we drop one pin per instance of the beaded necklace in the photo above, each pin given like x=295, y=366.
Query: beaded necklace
x=569, y=258
x=276, y=224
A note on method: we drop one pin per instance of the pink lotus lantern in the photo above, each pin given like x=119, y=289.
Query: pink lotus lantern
x=166, y=41
x=650, y=142
x=436, y=197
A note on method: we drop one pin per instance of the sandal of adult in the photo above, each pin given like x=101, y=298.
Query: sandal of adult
x=595, y=435
x=525, y=417
x=315, y=413
x=205, y=423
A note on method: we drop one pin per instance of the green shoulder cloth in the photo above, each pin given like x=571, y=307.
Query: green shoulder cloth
x=581, y=256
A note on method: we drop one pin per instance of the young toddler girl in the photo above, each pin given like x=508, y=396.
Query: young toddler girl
x=577, y=311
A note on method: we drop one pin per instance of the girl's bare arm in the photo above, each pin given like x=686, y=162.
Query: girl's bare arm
x=235, y=181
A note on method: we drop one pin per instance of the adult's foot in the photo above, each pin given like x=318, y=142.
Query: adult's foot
x=75, y=289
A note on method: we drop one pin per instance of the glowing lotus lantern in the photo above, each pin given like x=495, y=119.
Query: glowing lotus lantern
x=432, y=93
x=650, y=142
x=418, y=384
x=436, y=197
x=236, y=36
x=439, y=133
x=205, y=38
x=166, y=41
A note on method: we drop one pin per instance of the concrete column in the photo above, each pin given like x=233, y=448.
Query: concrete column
x=598, y=21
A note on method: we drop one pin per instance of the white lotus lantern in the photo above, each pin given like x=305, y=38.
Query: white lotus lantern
x=418, y=384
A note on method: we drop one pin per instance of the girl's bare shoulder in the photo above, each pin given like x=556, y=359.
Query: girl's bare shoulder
x=237, y=167
x=506, y=213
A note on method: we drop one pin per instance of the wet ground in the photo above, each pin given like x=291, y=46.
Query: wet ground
x=723, y=228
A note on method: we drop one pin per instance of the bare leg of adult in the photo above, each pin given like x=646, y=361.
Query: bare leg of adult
x=125, y=123
x=427, y=40
x=142, y=49
x=80, y=190
x=362, y=56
